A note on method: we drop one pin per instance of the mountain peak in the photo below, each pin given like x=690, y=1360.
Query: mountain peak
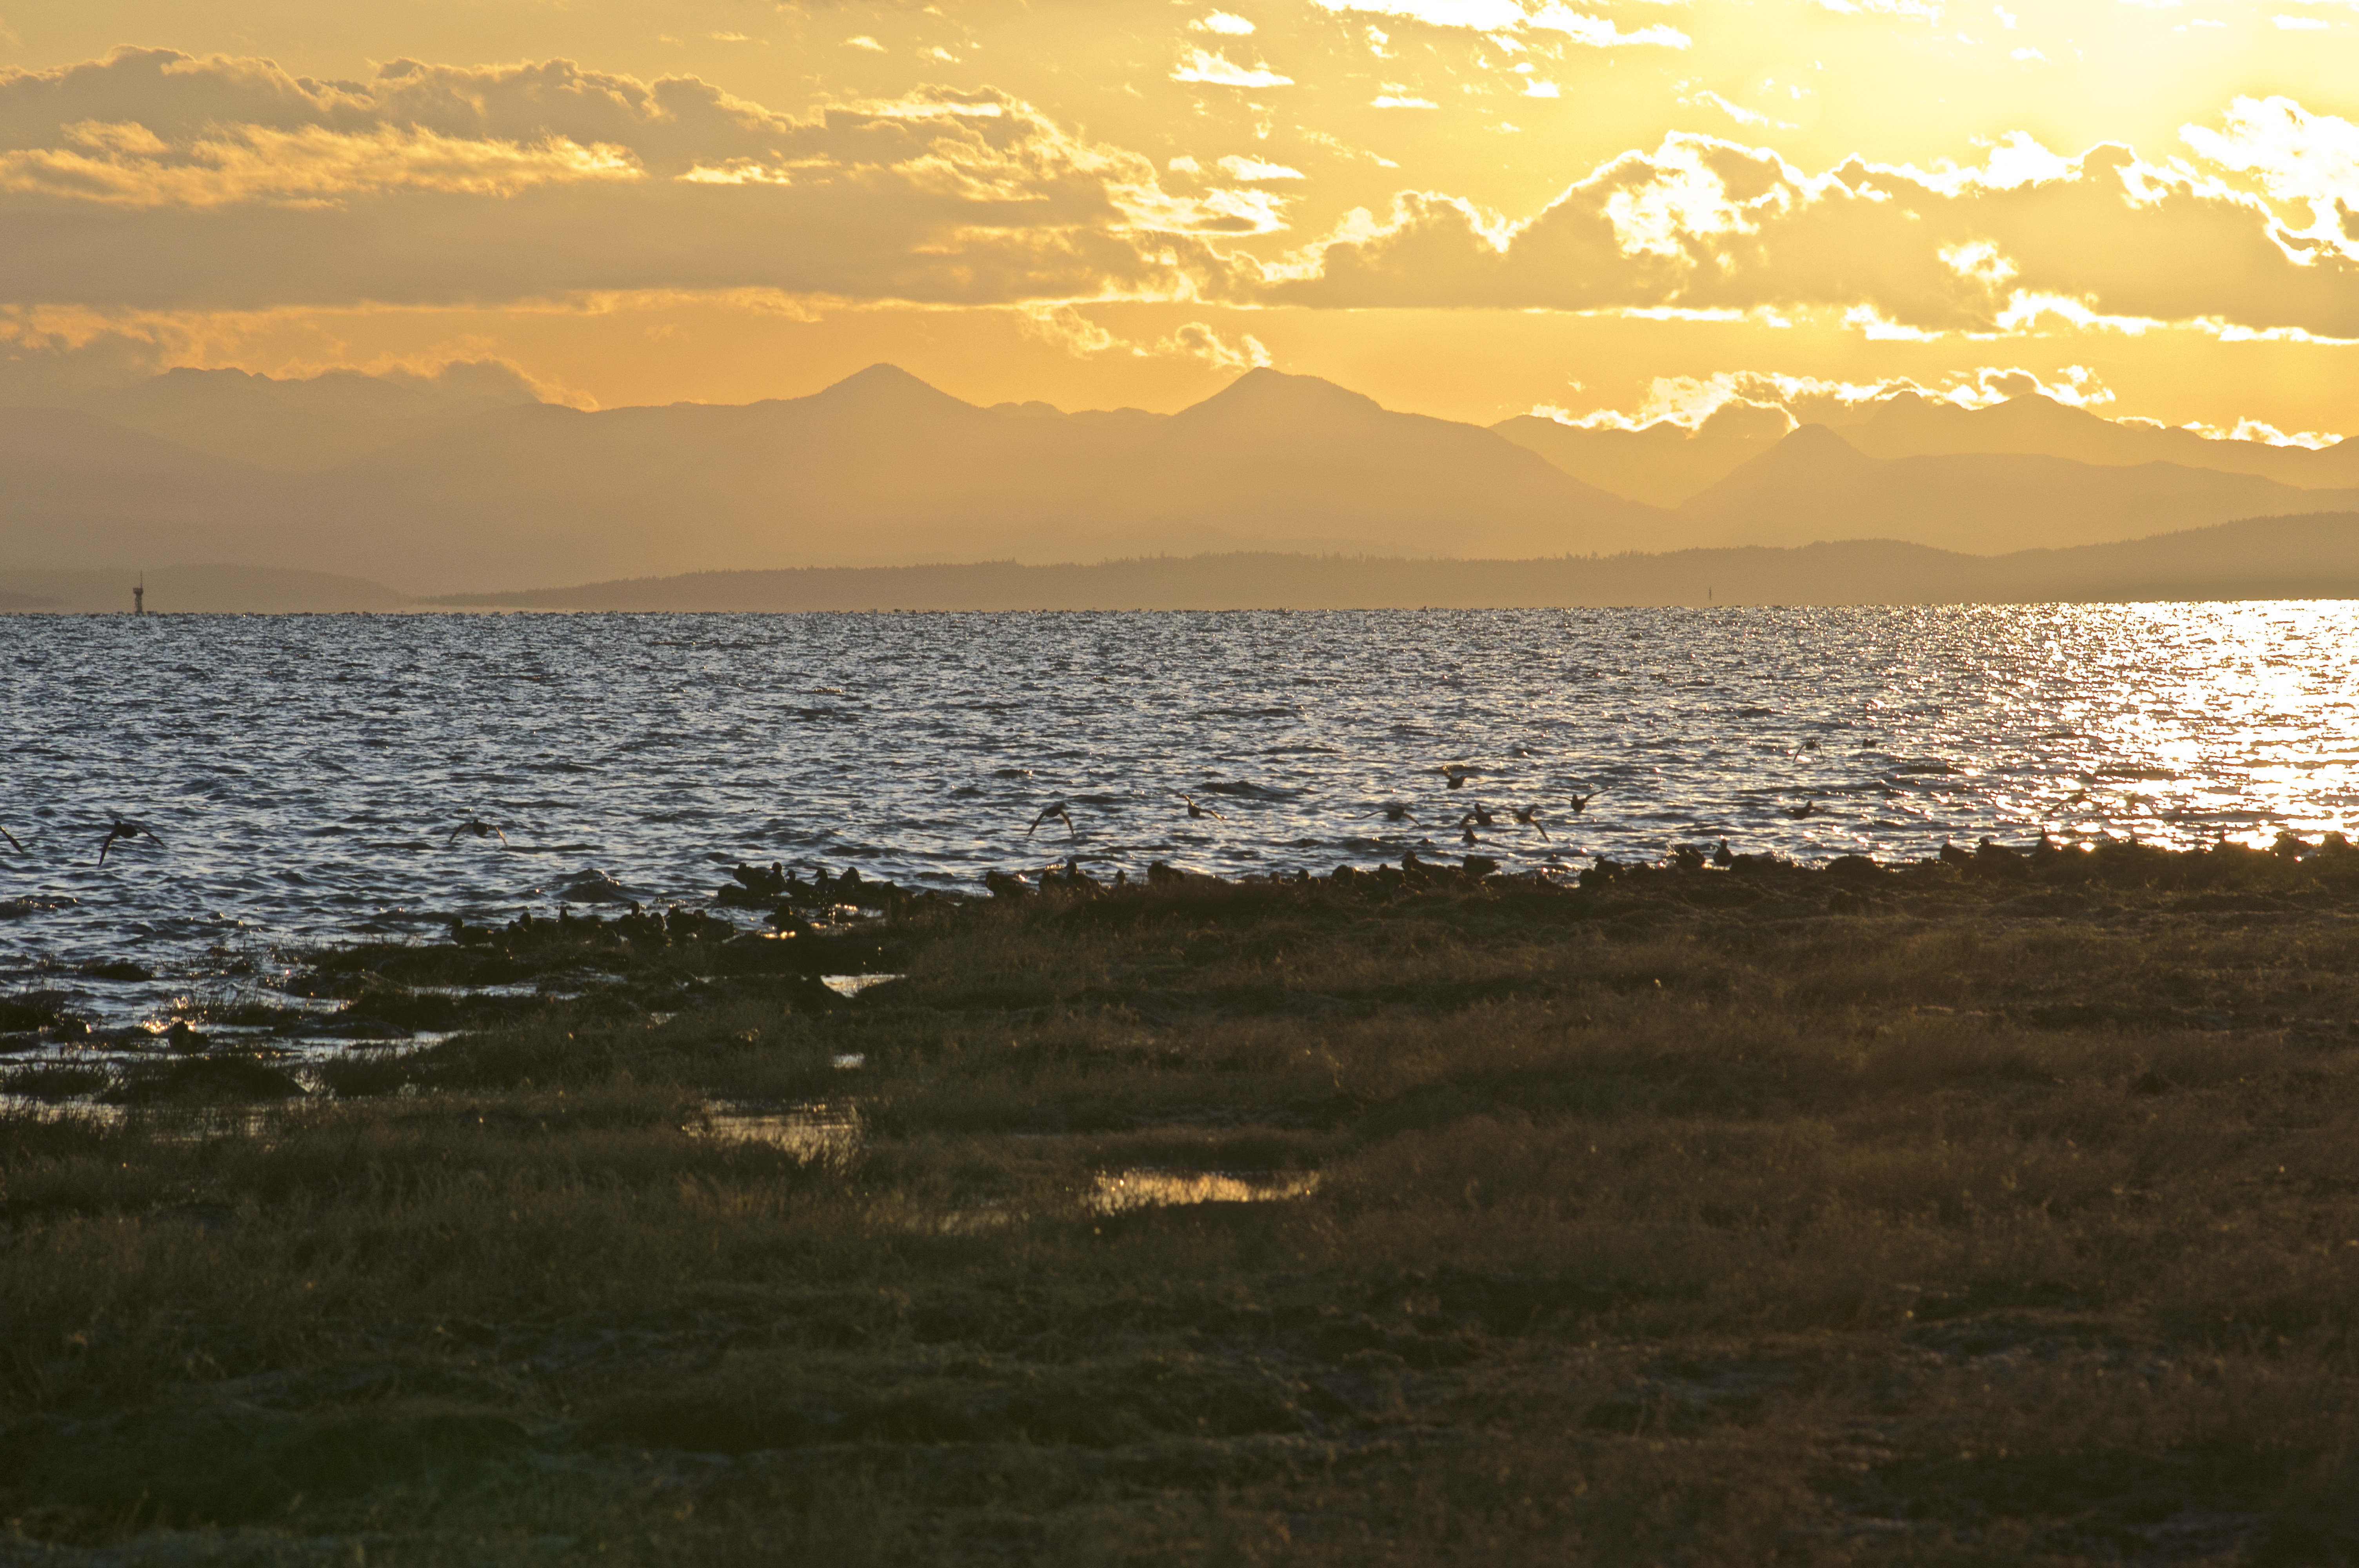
x=883, y=386
x=1814, y=444
x=1262, y=393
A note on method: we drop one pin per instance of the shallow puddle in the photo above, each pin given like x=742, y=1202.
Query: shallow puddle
x=853, y=985
x=1120, y=1191
x=809, y=1132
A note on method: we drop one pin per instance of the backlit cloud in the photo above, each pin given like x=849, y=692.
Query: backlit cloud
x=438, y=183
x=1508, y=18
x=1703, y=224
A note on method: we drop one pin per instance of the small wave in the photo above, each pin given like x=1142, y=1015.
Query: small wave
x=1239, y=789
x=17, y=908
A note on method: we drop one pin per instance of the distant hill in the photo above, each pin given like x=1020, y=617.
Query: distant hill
x=1661, y=464
x=465, y=485
x=878, y=468
x=1909, y=426
x=2308, y=557
x=303, y=426
x=1815, y=485
x=1665, y=464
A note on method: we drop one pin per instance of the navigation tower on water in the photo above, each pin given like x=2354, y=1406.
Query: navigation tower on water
x=139, y=596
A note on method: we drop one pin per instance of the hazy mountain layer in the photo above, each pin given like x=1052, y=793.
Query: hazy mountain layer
x=1665, y=463
x=461, y=488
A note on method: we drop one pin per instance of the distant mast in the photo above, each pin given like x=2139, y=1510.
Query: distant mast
x=139, y=596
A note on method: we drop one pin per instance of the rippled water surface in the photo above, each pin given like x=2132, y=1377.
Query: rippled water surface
x=304, y=773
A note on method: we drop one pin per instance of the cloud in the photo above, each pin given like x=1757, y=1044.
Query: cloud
x=1758, y=403
x=437, y=184
x=1504, y=18
x=126, y=164
x=2306, y=160
x=1216, y=70
x=1196, y=340
x=1222, y=22
x=1254, y=168
x=1700, y=224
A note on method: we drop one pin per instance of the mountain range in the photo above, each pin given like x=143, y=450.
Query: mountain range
x=466, y=484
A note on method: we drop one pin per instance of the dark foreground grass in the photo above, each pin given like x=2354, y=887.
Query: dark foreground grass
x=2003, y=1211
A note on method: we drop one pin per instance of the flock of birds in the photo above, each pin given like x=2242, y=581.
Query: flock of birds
x=120, y=828
x=1455, y=776
x=117, y=830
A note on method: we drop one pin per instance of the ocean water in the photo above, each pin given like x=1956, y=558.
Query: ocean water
x=303, y=775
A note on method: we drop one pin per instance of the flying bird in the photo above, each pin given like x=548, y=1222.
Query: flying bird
x=12, y=840
x=1457, y=775
x=123, y=829
x=1054, y=809
x=1200, y=811
x=1467, y=832
x=1580, y=802
x=479, y=828
x=1481, y=816
x=1528, y=817
x=1808, y=808
x=1393, y=811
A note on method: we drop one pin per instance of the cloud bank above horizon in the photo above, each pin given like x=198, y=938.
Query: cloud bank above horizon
x=1491, y=203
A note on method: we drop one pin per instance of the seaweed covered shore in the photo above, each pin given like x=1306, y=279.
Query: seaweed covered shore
x=2003, y=1205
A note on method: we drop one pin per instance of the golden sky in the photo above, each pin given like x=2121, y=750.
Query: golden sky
x=1468, y=208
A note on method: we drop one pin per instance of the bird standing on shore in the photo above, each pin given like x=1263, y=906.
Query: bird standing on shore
x=123, y=829
x=1054, y=811
x=479, y=828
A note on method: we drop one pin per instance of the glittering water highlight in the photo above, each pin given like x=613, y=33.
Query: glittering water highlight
x=304, y=773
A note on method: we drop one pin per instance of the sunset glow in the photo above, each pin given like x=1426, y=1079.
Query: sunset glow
x=1468, y=208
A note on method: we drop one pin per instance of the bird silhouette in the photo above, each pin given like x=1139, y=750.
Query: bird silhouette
x=1481, y=816
x=1529, y=816
x=479, y=828
x=123, y=829
x=1054, y=810
x=12, y=840
x=1393, y=811
x=1466, y=831
x=1808, y=808
x=1723, y=857
x=1200, y=811
x=1580, y=802
x=1455, y=775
